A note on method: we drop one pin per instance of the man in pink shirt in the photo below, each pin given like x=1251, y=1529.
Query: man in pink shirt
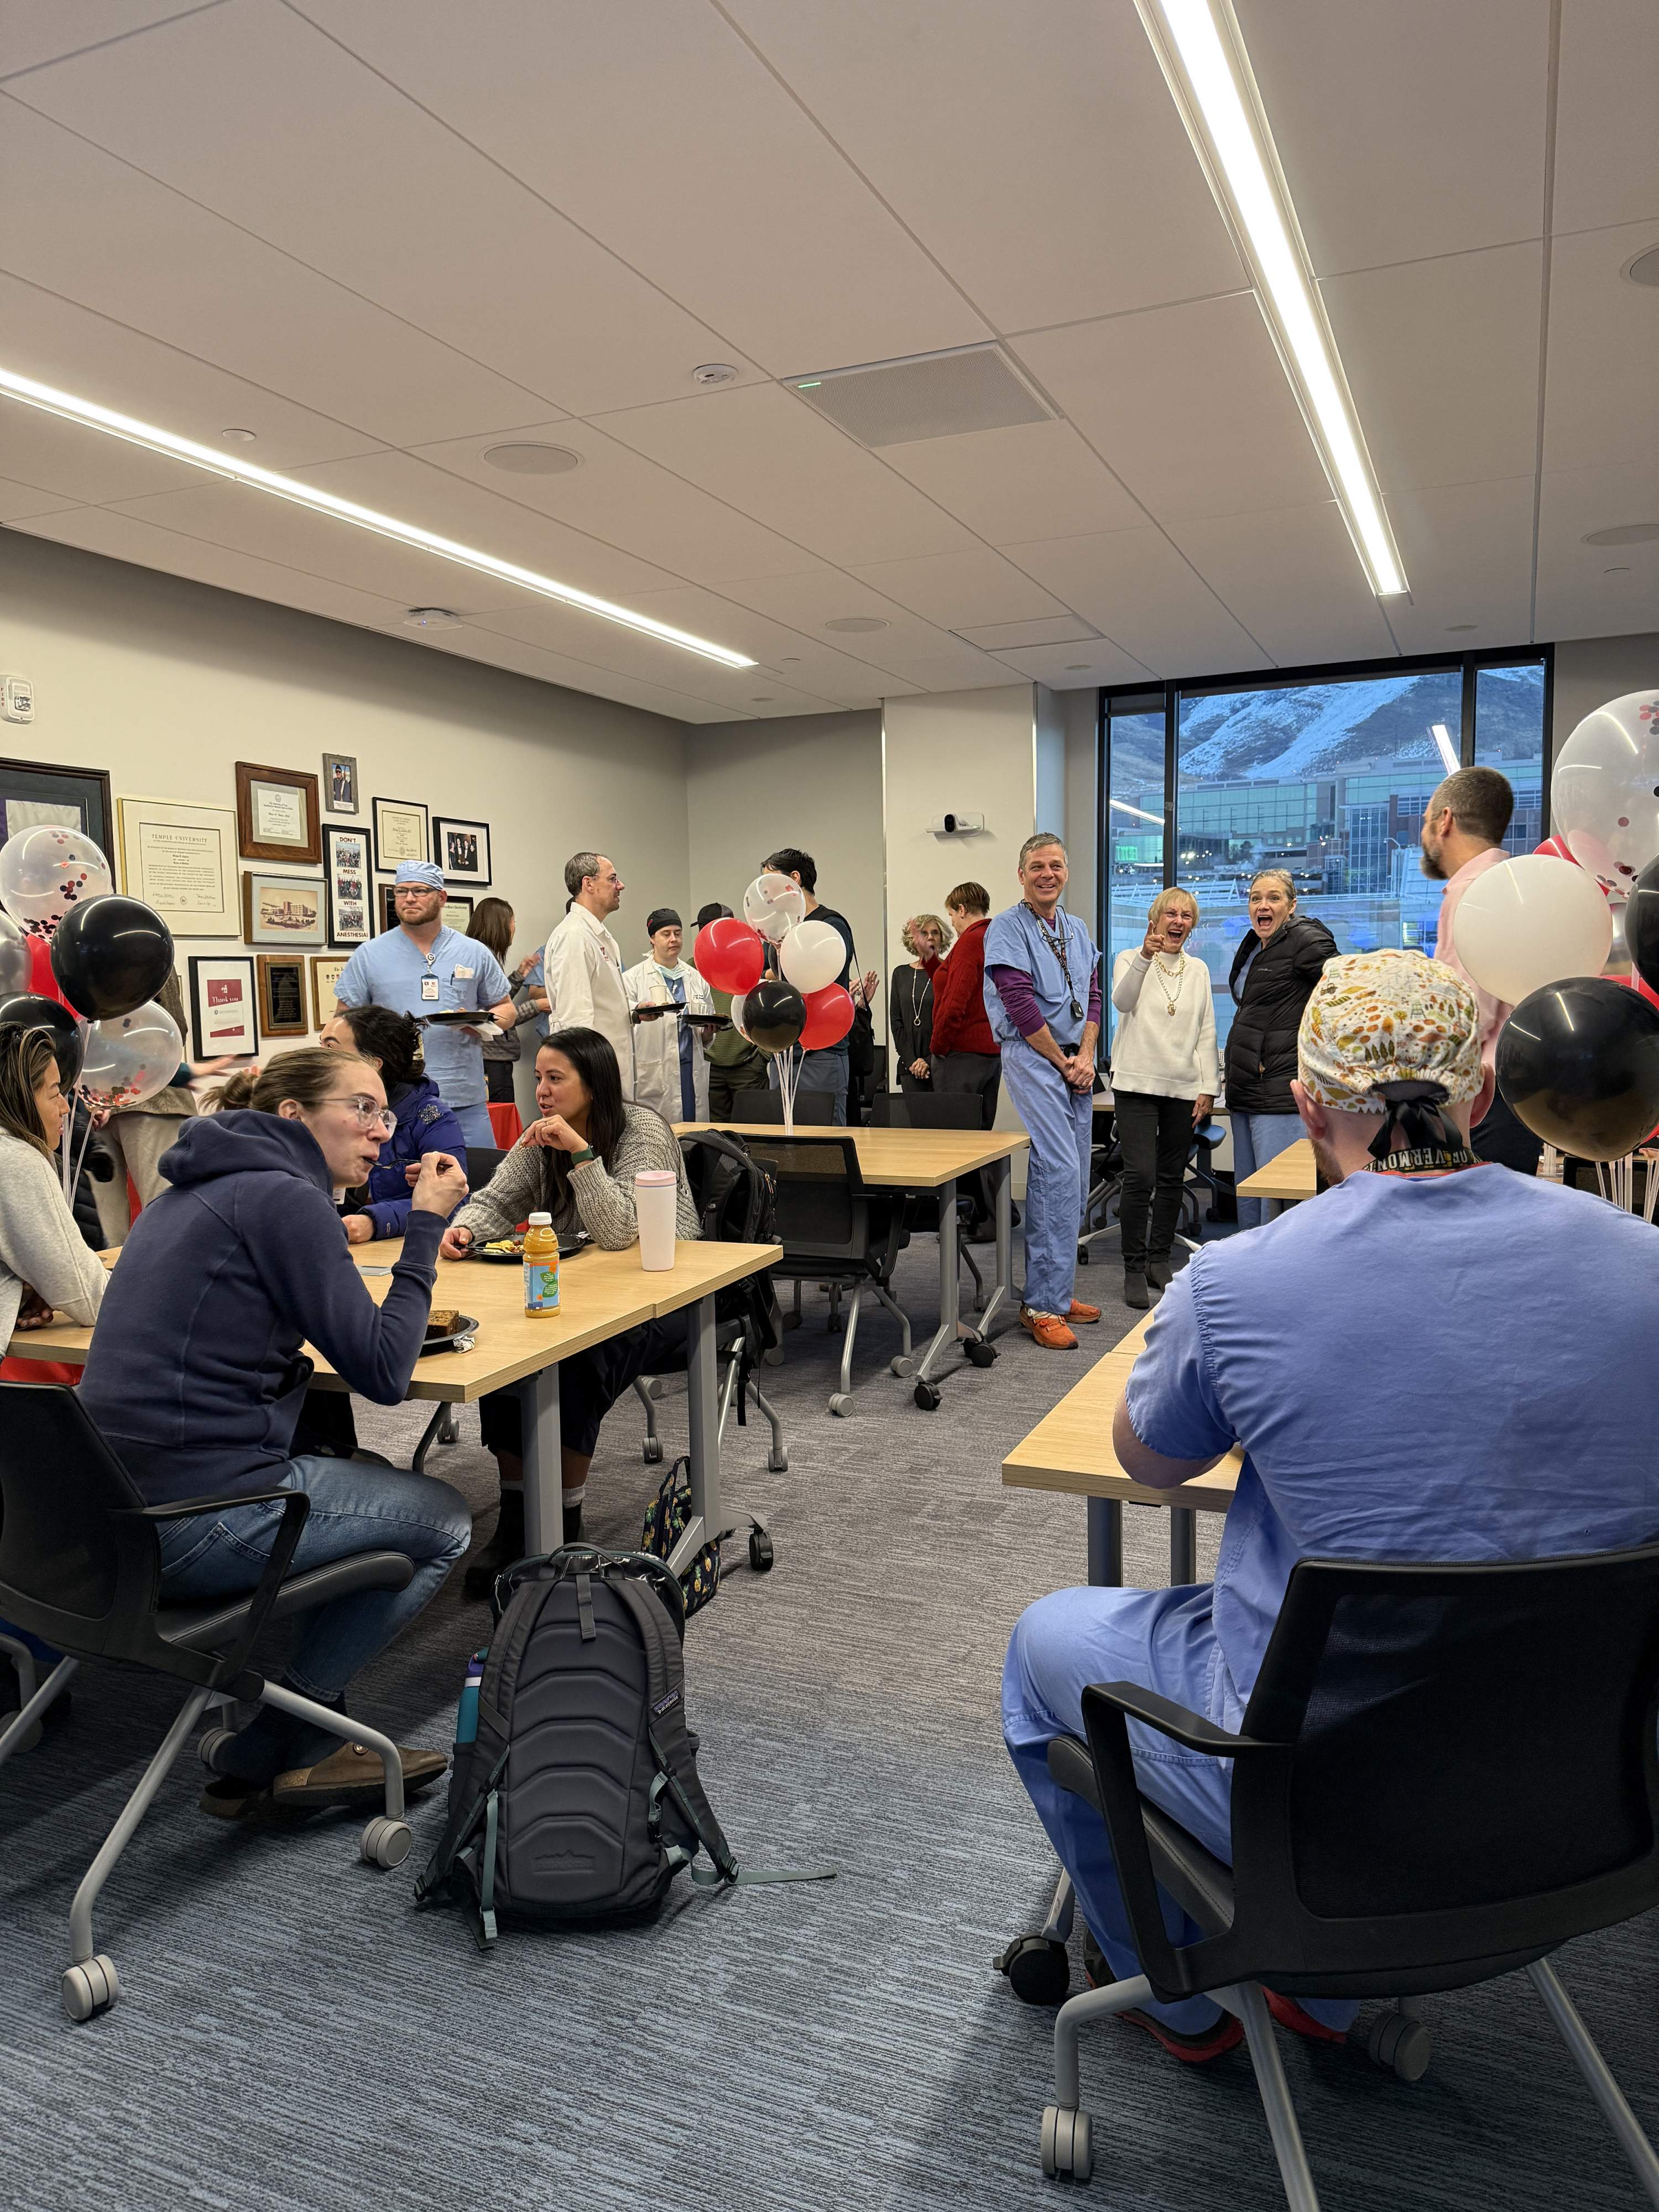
x=1463, y=827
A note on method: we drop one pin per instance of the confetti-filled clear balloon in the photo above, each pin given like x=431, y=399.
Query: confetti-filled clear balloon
x=14, y=958
x=774, y=904
x=45, y=870
x=131, y=1057
x=1604, y=791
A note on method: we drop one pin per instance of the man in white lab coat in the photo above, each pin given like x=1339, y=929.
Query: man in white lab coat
x=582, y=965
x=671, y=1062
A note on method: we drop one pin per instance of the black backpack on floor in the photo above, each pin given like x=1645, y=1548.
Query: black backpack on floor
x=576, y=1800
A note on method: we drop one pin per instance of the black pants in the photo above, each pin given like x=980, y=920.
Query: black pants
x=590, y=1384
x=1156, y=1135
x=979, y=1074
x=498, y=1081
x=1502, y=1136
x=727, y=1087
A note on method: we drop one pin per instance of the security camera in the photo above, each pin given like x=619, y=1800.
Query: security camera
x=956, y=825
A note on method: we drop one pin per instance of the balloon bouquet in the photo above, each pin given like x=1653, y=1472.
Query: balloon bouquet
x=804, y=1005
x=109, y=956
x=1579, y=1059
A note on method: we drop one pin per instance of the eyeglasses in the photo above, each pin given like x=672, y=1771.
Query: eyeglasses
x=368, y=1113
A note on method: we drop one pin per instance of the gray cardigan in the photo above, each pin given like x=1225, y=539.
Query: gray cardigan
x=596, y=1199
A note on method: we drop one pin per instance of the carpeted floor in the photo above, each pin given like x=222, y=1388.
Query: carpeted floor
x=292, y=2033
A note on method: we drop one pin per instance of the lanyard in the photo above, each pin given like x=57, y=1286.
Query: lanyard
x=1056, y=945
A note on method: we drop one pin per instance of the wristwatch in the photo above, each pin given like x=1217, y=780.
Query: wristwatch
x=587, y=1153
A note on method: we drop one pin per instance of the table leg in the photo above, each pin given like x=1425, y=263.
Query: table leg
x=1183, y=1546
x=950, y=1287
x=1106, y=1541
x=1001, y=1173
x=543, y=1491
x=703, y=1403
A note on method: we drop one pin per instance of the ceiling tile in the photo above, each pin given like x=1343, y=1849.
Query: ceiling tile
x=1188, y=404
x=806, y=662
x=1136, y=588
x=17, y=500
x=1017, y=636
x=470, y=643
x=657, y=129
x=1602, y=391
x=1577, y=597
x=86, y=225
x=960, y=590
x=1292, y=578
x=632, y=653
x=1468, y=551
x=36, y=31
x=1605, y=170
x=1408, y=130
x=1034, y=151
x=1442, y=358
x=771, y=456
x=1011, y=484
x=812, y=598
x=82, y=463
x=1075, y=667
x=257, y=115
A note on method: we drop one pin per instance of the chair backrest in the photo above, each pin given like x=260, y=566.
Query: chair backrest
x=820, y=1206
x=480, y=1164
x=65, y=1571
x=925, y=1109
x=813, y=1109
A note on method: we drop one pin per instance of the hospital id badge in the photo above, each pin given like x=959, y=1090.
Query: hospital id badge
x=429, y=989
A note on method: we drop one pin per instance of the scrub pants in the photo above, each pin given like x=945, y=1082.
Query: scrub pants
x=1059, y=1122
x=1257, y=1139
x=1166, y=1641
x=475, y=1127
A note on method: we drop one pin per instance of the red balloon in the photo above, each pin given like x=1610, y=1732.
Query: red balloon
x=1556, y=850
x=729, y=955
x=42, y=982
x=828, y=1017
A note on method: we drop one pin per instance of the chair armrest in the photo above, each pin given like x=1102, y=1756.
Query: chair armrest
x=1177, y=1722
x=183, y=1507
x=295, y=1506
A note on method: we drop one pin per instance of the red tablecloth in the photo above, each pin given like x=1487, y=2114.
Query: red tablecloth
x=504, y=1121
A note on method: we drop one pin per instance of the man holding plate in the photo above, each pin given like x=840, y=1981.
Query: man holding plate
x=422, y=969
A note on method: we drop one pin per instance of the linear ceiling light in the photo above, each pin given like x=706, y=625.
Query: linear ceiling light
x=220, y=464
x=1201, y=50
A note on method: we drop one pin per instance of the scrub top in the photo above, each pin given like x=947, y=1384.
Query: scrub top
x=393, y=971
x=1016, y=938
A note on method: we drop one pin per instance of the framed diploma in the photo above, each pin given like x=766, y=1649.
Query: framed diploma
x=326, y=970
x=282, y=994
x=33, y=793
x=181, y=861
x=220, y=1004
x=277, y=816
x=282, y=910
x=461, y=850
x=340, y=782
x=345, y=879
x=457, y=913
x=399, y=833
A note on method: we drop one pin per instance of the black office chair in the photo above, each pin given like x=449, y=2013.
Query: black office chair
x=813, y=1109
x=80, y=1566
x=1443, y=1773
x=924, y=1110
x=1200, y=1194
x=480, y=1164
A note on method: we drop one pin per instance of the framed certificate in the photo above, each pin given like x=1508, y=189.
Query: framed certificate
x=220, y=1004
x=399, y=833
x=340, y=782
x=457, y=913
x=32, y=793
x=277, y=816
x=345, y=879
x=326, y=970
x=461, y=850
x=282, y=910
x=181, y=861
x=282, y=994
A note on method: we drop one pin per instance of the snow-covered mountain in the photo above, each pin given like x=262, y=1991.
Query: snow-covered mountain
x=1370, y=725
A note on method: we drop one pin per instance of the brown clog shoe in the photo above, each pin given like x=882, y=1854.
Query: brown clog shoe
x=1047, y=1330
x=353, y=1773
x=1082, y=1313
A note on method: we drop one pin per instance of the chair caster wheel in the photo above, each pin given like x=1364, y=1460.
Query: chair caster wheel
x=774, y=1357
x=386, y=1842
x=903, y=1365
x=1038, y=1971
x=927, y=1397
x=90, y=1990
x=1068, y=2150
x=1083, y=1256
x=761, y=1553
x=840, y=1402
x=777, y=1462
x=1400, y=2046
x=651, y=1451
x=980, y=1354
x=211, y=1744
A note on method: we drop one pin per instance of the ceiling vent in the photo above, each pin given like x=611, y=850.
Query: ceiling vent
x=930, y=395
x=1021, y=636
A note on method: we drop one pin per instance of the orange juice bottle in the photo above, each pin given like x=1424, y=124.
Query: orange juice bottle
x=541, y=1266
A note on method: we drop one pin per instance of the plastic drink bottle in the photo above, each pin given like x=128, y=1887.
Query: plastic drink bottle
x=466, y=1718
x=541, y=1266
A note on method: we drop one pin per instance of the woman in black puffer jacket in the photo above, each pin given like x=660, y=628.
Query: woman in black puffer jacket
x=1273, y=972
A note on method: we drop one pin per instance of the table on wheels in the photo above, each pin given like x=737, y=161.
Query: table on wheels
x=927, y=1160
x=1289, y=1176
x=601, y=1295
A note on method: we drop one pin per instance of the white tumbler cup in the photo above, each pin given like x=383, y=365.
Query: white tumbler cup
x=656, y=1191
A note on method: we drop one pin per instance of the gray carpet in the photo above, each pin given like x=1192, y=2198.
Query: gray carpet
x=294, y=2034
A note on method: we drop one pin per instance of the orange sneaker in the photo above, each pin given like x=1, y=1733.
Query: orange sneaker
x=1289, y=2013
x=1081, y=1313
x=1048, y=1330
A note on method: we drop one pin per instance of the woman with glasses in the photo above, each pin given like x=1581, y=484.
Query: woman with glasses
x=195, y=1376
x=422, y=1122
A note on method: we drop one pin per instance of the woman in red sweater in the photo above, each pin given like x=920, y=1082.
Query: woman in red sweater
x=965, y=1057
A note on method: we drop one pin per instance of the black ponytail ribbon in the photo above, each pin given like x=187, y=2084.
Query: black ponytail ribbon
x=1415, y=1133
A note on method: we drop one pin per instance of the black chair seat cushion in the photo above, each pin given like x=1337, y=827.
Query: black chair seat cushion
x=204, y=1627
x=1199, y=1881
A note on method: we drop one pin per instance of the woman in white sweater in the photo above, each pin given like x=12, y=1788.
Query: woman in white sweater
x=45, y=1261
x=1165, y=1075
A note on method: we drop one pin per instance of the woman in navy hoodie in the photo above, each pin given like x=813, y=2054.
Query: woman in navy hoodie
x=391, y=1043
x=195, y=1376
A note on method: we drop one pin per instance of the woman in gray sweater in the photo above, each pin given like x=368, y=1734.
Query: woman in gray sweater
x=577, y=1161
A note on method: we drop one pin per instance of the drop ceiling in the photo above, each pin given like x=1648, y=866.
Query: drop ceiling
x=385, y=235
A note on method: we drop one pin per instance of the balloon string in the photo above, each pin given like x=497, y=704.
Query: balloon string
x=74, y=1180
x=63, y=1148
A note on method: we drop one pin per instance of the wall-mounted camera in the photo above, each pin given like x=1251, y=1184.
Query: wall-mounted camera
x=956, y=825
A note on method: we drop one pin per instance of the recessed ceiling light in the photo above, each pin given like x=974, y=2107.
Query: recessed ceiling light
x=1457, y=626
x=238, y=437
x=532, y=461
x=1622, y=569
x=51, y=401
x=1074, y=665
x=782, y=657
x=859, y=623
x=1624, y=533
x=1645, y=270
x=714, y=372
x=431, y=618
x=764, y=699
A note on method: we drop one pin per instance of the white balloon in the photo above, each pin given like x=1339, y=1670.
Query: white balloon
x=737, y=1013
x=1531, y=921
x=130, y=1057
x=812, y=956
x=45, y=870
x=774, y=904
x=15, y=969
x=1604, y=792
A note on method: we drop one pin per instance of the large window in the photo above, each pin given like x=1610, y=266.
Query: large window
x=1326, y=777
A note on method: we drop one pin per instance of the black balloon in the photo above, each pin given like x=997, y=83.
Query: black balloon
x=1642, y=925
x=1579, y=1062
x=35, y=1012
x=774, y=1016
x=111, y=956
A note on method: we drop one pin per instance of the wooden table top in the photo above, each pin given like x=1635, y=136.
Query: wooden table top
x=1071, y=1449
x=1291, y=1176
x=601, y=1294
x=897, y=1159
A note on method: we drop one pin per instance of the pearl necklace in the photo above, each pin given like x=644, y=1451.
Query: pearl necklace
x=1179, y=972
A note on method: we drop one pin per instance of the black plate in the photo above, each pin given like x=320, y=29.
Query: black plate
x=570, y=1249
x=464, y=1326
x=451, y=1017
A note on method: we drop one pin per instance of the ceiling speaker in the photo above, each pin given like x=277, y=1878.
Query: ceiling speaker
x=930, y=395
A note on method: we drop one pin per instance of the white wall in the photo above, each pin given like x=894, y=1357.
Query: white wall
x=167, y=684
x=1590, y=671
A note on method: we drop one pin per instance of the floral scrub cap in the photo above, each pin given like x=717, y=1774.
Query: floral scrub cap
x=1379, y=1019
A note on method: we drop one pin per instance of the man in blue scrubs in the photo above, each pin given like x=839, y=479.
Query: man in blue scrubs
x=1043, y=998
x=421, y=967
x=1403, y=1359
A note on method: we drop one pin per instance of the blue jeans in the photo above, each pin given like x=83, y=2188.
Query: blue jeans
x=1059, y=1122
x=1257, y=1139
x=822, y=1070
x=355, y=1506
x=475, y=1127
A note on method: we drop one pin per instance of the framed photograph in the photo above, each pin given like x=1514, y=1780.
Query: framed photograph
x=457, y=913
x=181, y=861
x=399, y=833
x=386, y=909
x=282, y=994
x=346, y=880
x=277, y=815
x=31, y=792
x=222, y=1005
x=282, y=910
x=326, y=970
x=461, y=849
x=340, y=782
